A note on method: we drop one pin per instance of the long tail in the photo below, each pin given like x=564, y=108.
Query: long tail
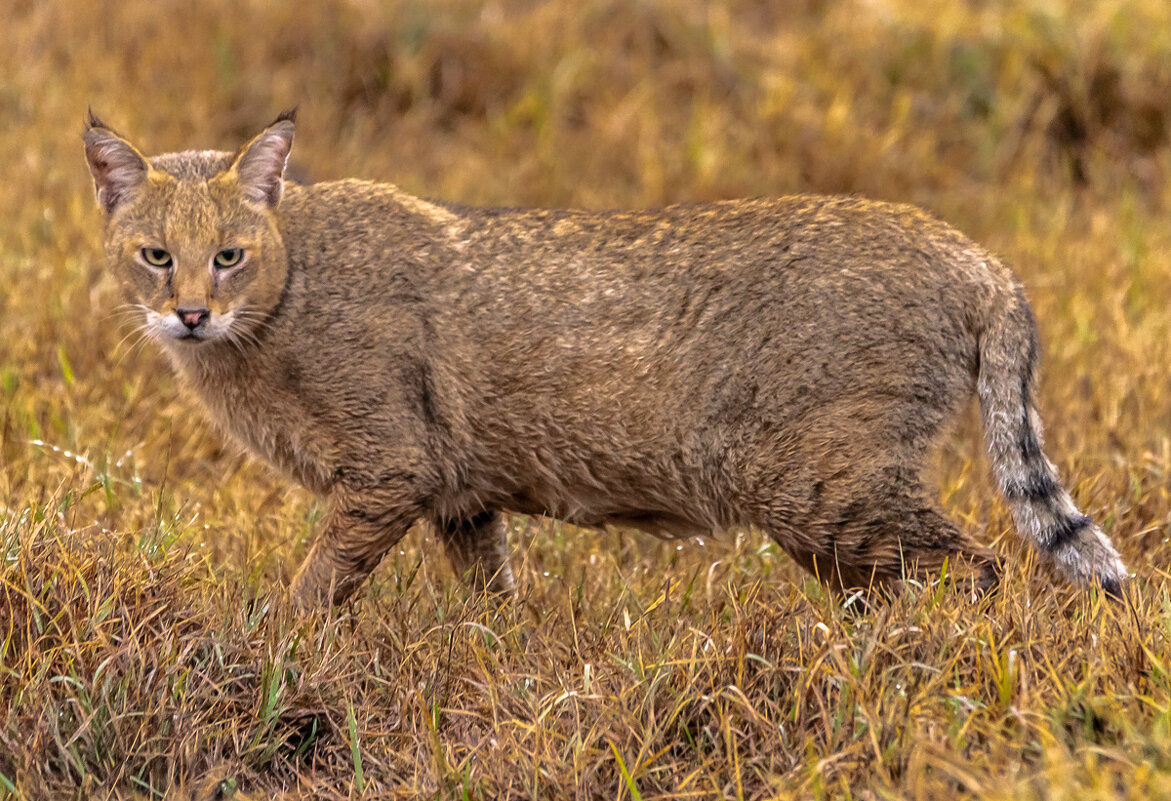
x=1045, y=514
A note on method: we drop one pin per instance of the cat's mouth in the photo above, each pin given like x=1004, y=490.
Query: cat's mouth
x=198, y=335
x=171, y=328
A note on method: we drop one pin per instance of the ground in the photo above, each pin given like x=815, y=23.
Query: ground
x=146, y=648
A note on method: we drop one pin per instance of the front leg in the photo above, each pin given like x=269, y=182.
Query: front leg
x=478, y=550
x=359, y=529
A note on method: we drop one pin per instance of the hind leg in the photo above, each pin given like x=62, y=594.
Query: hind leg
x=868, y=532
x=477, y=548
x=907, y=538
x=888, y=545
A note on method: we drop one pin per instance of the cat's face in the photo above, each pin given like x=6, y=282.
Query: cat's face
x=192, y=237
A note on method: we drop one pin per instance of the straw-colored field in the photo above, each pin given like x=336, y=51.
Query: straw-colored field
x=145, y=645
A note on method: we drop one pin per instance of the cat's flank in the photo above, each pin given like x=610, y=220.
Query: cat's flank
x=785, y=364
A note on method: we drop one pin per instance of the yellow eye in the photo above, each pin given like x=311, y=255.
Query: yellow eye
x=228, y=257
x=156, y=257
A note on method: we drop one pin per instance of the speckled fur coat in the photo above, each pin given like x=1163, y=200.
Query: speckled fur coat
x=785, y=364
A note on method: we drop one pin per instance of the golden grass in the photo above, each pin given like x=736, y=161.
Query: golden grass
x=144, y=645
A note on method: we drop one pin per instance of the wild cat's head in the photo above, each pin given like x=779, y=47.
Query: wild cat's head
x=192, y=237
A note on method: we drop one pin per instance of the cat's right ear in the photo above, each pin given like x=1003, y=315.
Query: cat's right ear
x=118, y=169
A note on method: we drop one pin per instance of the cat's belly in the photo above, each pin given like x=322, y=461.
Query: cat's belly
x=659, y=523
x=595, y=508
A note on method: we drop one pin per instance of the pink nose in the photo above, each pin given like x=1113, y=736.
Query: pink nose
x=192, y=318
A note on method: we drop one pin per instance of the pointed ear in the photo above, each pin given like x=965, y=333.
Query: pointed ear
x=260, y=166
x=118, y=169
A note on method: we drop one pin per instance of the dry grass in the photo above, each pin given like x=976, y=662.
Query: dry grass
x=144, y=645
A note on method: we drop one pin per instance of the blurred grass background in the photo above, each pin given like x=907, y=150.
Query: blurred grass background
x=144, y=649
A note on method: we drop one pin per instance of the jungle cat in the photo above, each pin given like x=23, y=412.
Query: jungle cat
x=785, y=364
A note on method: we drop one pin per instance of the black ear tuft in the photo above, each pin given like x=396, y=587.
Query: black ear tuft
x=288, y=115
x=93, y=122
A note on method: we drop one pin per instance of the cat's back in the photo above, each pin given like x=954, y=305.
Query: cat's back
x=817, y=241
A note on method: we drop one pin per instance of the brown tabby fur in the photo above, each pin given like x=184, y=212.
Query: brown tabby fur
x=785, y=364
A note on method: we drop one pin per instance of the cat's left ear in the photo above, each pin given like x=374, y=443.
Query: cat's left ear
x=260, y=166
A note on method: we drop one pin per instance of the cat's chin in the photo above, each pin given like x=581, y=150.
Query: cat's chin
x=192, y=339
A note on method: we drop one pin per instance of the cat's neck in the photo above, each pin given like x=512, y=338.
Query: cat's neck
x=211, y=366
